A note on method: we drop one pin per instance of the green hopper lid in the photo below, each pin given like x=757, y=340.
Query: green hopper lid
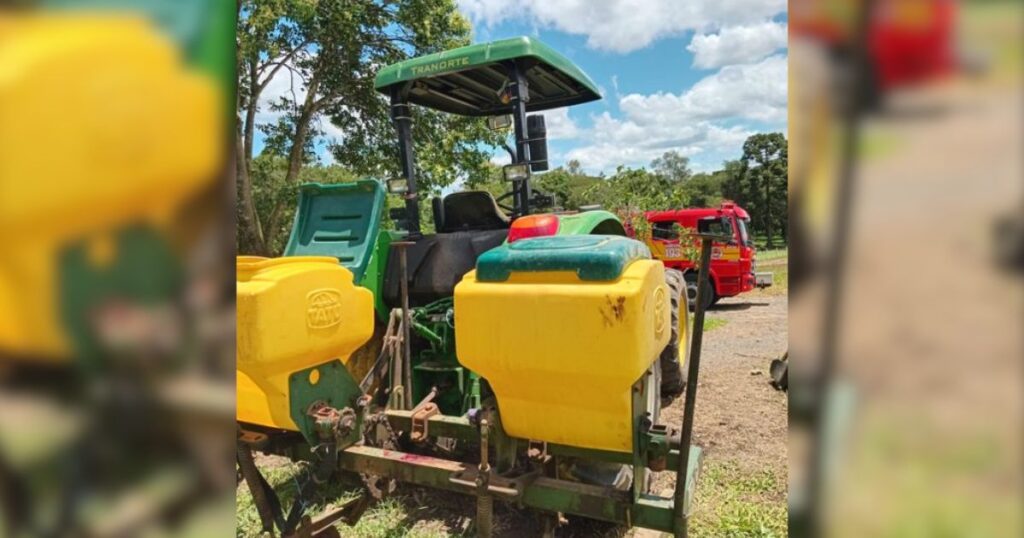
x=591, y=257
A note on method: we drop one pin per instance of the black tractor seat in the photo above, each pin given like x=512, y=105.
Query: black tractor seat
x=468, y=211
x=436, y=263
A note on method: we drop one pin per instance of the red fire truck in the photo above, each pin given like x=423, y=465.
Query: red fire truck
x=732, y=262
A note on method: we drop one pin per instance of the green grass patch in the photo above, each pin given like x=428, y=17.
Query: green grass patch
x=780, y=280
x=877, y=144
x=994, y=28
x=397, y=516
x=774, y=254
x=712, y=323
x=389, y=518
x=777, y=263
x=737, y=503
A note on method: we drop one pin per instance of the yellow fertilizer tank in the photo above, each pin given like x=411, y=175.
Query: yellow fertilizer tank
x=293, y=313
x=102, y=125
x=562, y=327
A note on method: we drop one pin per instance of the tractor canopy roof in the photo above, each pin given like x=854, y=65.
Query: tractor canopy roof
x=471, y=80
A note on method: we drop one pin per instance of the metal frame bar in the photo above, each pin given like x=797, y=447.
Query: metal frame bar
x=402, y=116
x=539, y=492
x=520, y=94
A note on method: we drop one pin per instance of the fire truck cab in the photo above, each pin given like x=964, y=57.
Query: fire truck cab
x=732, y=263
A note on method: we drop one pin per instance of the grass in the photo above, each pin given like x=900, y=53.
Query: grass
x=995, y=29
x=777, y=262
x=739, y=503
x=774, y=254
x=712, y=323
x=389, y=518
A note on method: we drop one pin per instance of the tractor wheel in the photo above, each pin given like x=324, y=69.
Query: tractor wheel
x=691, y=292
x=673, y=380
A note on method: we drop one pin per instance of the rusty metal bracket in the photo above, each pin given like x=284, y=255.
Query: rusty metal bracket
x=332, y=424
x=499, y=486
x=254, y=440
x=322, y=526
x=420, y=421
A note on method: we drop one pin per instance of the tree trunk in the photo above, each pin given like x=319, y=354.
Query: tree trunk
x=296, y=153
x=251, y=237
x=251, y=234
x=768, y=212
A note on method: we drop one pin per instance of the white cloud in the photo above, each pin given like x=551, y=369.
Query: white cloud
x=559, y=125
x=737, y=44
x=625, y=142
x=690, y=122
x=750, y=91
x=623, y=25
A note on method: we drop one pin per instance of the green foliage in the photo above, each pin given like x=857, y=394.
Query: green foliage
x=705, y=190
x=271, y=190
x=630, y=192
x=759, y=182
x=672, y=166
x=330, y=51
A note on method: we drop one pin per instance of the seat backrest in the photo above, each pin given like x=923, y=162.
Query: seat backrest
x=339, y=220
x=435, y=264
x=471, y=210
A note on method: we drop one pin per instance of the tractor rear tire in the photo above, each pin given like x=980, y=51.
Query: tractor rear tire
x=691, y=292
x=673, y=379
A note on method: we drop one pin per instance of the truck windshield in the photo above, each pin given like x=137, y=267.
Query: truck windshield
x=743, y=232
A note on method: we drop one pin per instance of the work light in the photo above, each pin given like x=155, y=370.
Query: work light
x=398, y=185
x=498, y=123
x=516, y=172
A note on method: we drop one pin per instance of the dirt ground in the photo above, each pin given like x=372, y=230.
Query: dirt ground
x=739, y=416
x=740, y=420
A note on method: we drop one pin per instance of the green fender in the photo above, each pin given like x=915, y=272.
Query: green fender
x=590, y=222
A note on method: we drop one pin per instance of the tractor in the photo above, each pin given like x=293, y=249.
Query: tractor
x=511, y=354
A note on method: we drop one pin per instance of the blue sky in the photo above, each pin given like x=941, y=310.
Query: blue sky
x=695, y=76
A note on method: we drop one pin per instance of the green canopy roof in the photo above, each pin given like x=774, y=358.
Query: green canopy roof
x=467, y=80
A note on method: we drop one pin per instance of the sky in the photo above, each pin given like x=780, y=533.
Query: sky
x=694, y=76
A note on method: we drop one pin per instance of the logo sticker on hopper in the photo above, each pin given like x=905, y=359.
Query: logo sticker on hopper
x=659, y=310
x=324, y=310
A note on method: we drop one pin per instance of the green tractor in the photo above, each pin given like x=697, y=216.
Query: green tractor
x=511, y=354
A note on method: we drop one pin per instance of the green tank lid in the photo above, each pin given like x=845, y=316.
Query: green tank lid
x=591, y=257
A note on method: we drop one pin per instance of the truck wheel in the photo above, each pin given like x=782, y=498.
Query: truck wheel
x=673, y=381
x=691, y=293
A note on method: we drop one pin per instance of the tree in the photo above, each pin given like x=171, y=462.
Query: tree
x=330, y=50
x=672, y=166
x=766, y=159
x=705, y=190
x=632, y=191
x=734, y=186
